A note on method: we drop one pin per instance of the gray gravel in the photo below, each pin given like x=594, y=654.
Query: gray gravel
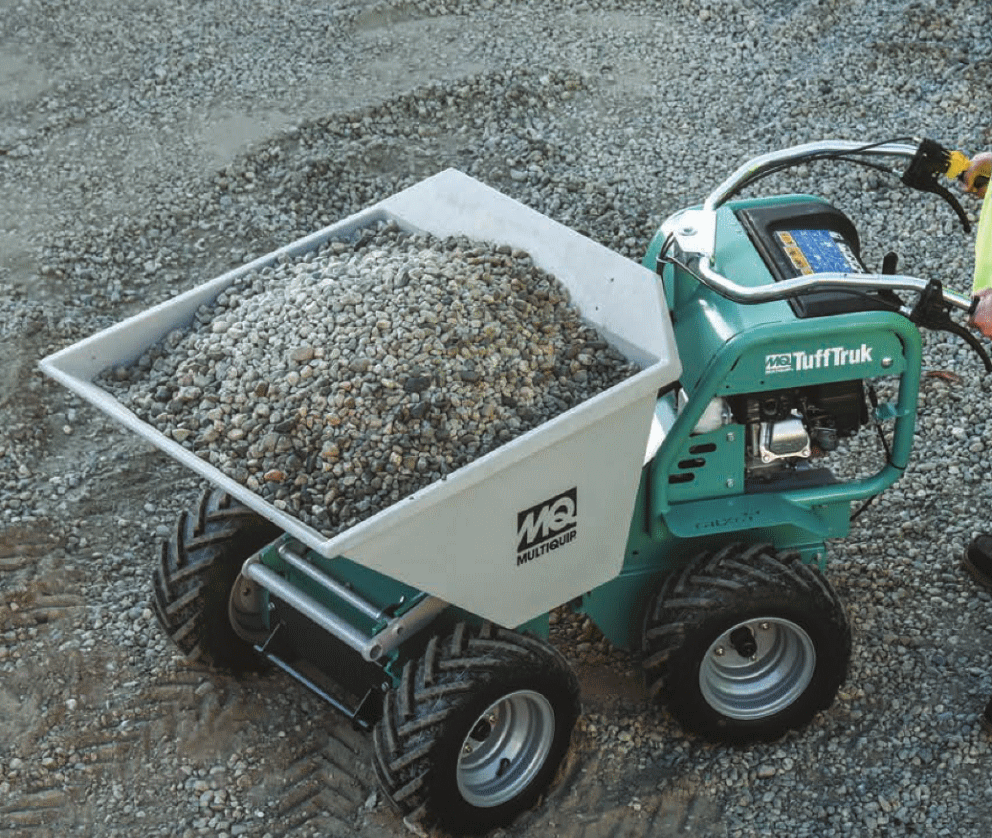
x=338, y=382
x=147, y=148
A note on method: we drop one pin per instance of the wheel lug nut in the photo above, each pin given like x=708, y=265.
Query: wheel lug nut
x=764, y=626
x=719, y=651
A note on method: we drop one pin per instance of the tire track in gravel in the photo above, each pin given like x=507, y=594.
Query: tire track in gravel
x=39, y=808
x=41, y=609
x=323, y=784
x=21, y=545
x=316, y=780
x=682, y=812
x=651, y=805
x=92, y=750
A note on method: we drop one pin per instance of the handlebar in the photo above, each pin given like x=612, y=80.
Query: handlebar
x=694, y=230
x=821, y=282
x=773, y=159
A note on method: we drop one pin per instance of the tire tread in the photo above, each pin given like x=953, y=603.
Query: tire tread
x=724, y=581
x=432, y=689
x=204, y=543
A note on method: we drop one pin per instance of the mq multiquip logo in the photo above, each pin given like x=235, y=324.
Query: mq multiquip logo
x=547, y=526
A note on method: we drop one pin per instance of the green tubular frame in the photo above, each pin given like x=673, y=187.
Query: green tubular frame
x=720, y=378
x=723, y=347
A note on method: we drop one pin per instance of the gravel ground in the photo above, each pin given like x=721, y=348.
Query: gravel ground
x=147, y=147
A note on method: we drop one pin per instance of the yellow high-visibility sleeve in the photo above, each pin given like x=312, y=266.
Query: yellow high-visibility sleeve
x=983, y=247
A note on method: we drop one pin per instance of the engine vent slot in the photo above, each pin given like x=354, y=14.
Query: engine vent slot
x=711, y=464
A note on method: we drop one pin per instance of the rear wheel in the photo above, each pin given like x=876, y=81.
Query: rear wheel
x=199, y=593
x=744, y=644
x=477, y=728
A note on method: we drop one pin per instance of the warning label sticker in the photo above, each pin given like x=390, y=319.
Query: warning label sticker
x=818, y=251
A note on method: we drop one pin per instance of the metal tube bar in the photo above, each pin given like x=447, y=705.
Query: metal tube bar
x=766, y=335
x=773, y=158
x=400, y=628
x=307, y=606
x=340, y=590
x=351, y=713
x=396, y=631
x=840, y=281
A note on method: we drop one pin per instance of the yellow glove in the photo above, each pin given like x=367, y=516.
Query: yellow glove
x=957, y=165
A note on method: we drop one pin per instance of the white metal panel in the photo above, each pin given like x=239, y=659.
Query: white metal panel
x=458, y=538
x=465, y=547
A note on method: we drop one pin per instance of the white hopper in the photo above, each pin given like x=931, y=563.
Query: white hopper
x=566, y=488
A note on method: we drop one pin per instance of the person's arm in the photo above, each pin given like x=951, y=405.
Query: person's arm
x=976, y=179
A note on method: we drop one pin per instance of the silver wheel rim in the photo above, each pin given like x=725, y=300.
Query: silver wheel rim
x=246, y=602
x=758, y=685
x=505, y=749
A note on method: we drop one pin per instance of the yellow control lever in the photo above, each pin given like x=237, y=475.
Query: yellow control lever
x=957, y=165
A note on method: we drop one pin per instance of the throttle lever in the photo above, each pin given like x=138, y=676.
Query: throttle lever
x=930, y=161
x=933, y=312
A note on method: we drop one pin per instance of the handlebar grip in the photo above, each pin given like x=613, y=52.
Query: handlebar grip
x=930, y=161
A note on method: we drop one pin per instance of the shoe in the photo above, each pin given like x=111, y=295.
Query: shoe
x=978, y=560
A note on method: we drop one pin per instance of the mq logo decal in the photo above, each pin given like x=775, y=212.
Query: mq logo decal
x=547, y=526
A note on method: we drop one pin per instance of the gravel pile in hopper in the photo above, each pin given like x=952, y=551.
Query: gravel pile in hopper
x=337, y=383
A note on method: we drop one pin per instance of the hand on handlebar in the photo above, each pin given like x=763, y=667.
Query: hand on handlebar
x=981, y=319
x=976, y=177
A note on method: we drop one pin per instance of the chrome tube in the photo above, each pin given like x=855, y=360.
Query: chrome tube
x=400, y=628
x=824, y=281
x=766, y=161
x=306, y=605
x=370, y=647
x=340, y=590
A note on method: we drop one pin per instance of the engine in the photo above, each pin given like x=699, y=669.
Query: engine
x=789, y=427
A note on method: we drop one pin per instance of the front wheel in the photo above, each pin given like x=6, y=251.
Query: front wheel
x=476, y=729
x=200, y=598
x=744, y=644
